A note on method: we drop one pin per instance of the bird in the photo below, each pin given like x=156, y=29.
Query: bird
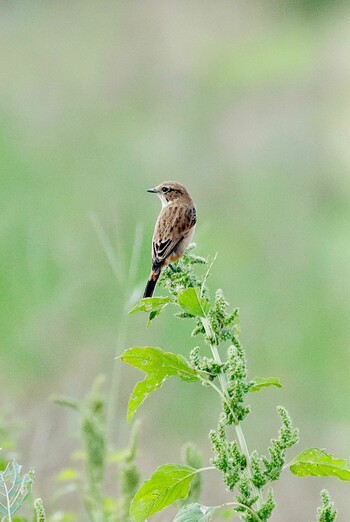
x=173, y=230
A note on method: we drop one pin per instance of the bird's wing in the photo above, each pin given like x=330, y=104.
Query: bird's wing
x=173, y=224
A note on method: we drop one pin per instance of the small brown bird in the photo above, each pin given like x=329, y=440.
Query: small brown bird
x=173, y=230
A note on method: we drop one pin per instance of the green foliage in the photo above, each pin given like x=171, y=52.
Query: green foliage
x=287, y=437
x=190, y=301
x=318, y=463
x=129, y=477
x=98, y=506
x=148, y=304
x=158, y=365
x=259, y=383
x=227, y=457
x=236, y=385
x=326, y=513
x=194, y=513
x=224, y=324
x=265, y=511
x=167, y=484
x=39, y=511
x=93, y=436
x=14, y=489
x=183, y=276
x=192, y=457
x=224, y=368
x=155, y=361
x=151, y=305
x=46, y=253
x=220, y=363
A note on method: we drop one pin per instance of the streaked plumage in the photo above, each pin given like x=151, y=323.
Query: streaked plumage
x=173, y=230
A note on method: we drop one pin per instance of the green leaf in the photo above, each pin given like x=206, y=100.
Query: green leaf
x=261, y=382
x=156, y=361
x=153, y=315
x=194, y=513
x=167, y=484
x=14, y=488
x=141, y=391
x=149, y=304
x=318, y=463
x=190, y=301
x=158, y=365
x=192, y=457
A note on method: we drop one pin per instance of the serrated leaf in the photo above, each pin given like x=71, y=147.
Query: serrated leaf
x=190, y=301
x=261, y=382
x=149, y=304
x=318, y=463
x=158, y=365
x=167, y=484
x=194, y=513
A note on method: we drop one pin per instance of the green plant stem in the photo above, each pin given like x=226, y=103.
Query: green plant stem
x=244, y=448
x=238, y=504
x=223, y=383
x=207, y=468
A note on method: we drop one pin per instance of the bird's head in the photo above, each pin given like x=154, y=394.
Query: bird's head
x=170, y=191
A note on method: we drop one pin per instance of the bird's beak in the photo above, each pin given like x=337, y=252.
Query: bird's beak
x=152, y=190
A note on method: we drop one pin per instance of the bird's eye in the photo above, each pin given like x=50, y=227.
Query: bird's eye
x=165, y=189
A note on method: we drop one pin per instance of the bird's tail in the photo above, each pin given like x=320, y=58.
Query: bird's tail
x=151, y=283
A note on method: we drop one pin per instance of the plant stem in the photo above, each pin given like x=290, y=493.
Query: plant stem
x=238, y=504
x=208, y=468
x=238, y=428
x=244, y=448
x=8, y=503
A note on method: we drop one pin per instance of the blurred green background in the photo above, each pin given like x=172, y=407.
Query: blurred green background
x=248, y=104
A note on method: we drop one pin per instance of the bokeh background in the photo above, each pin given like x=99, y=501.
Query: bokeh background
x=248, y=104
